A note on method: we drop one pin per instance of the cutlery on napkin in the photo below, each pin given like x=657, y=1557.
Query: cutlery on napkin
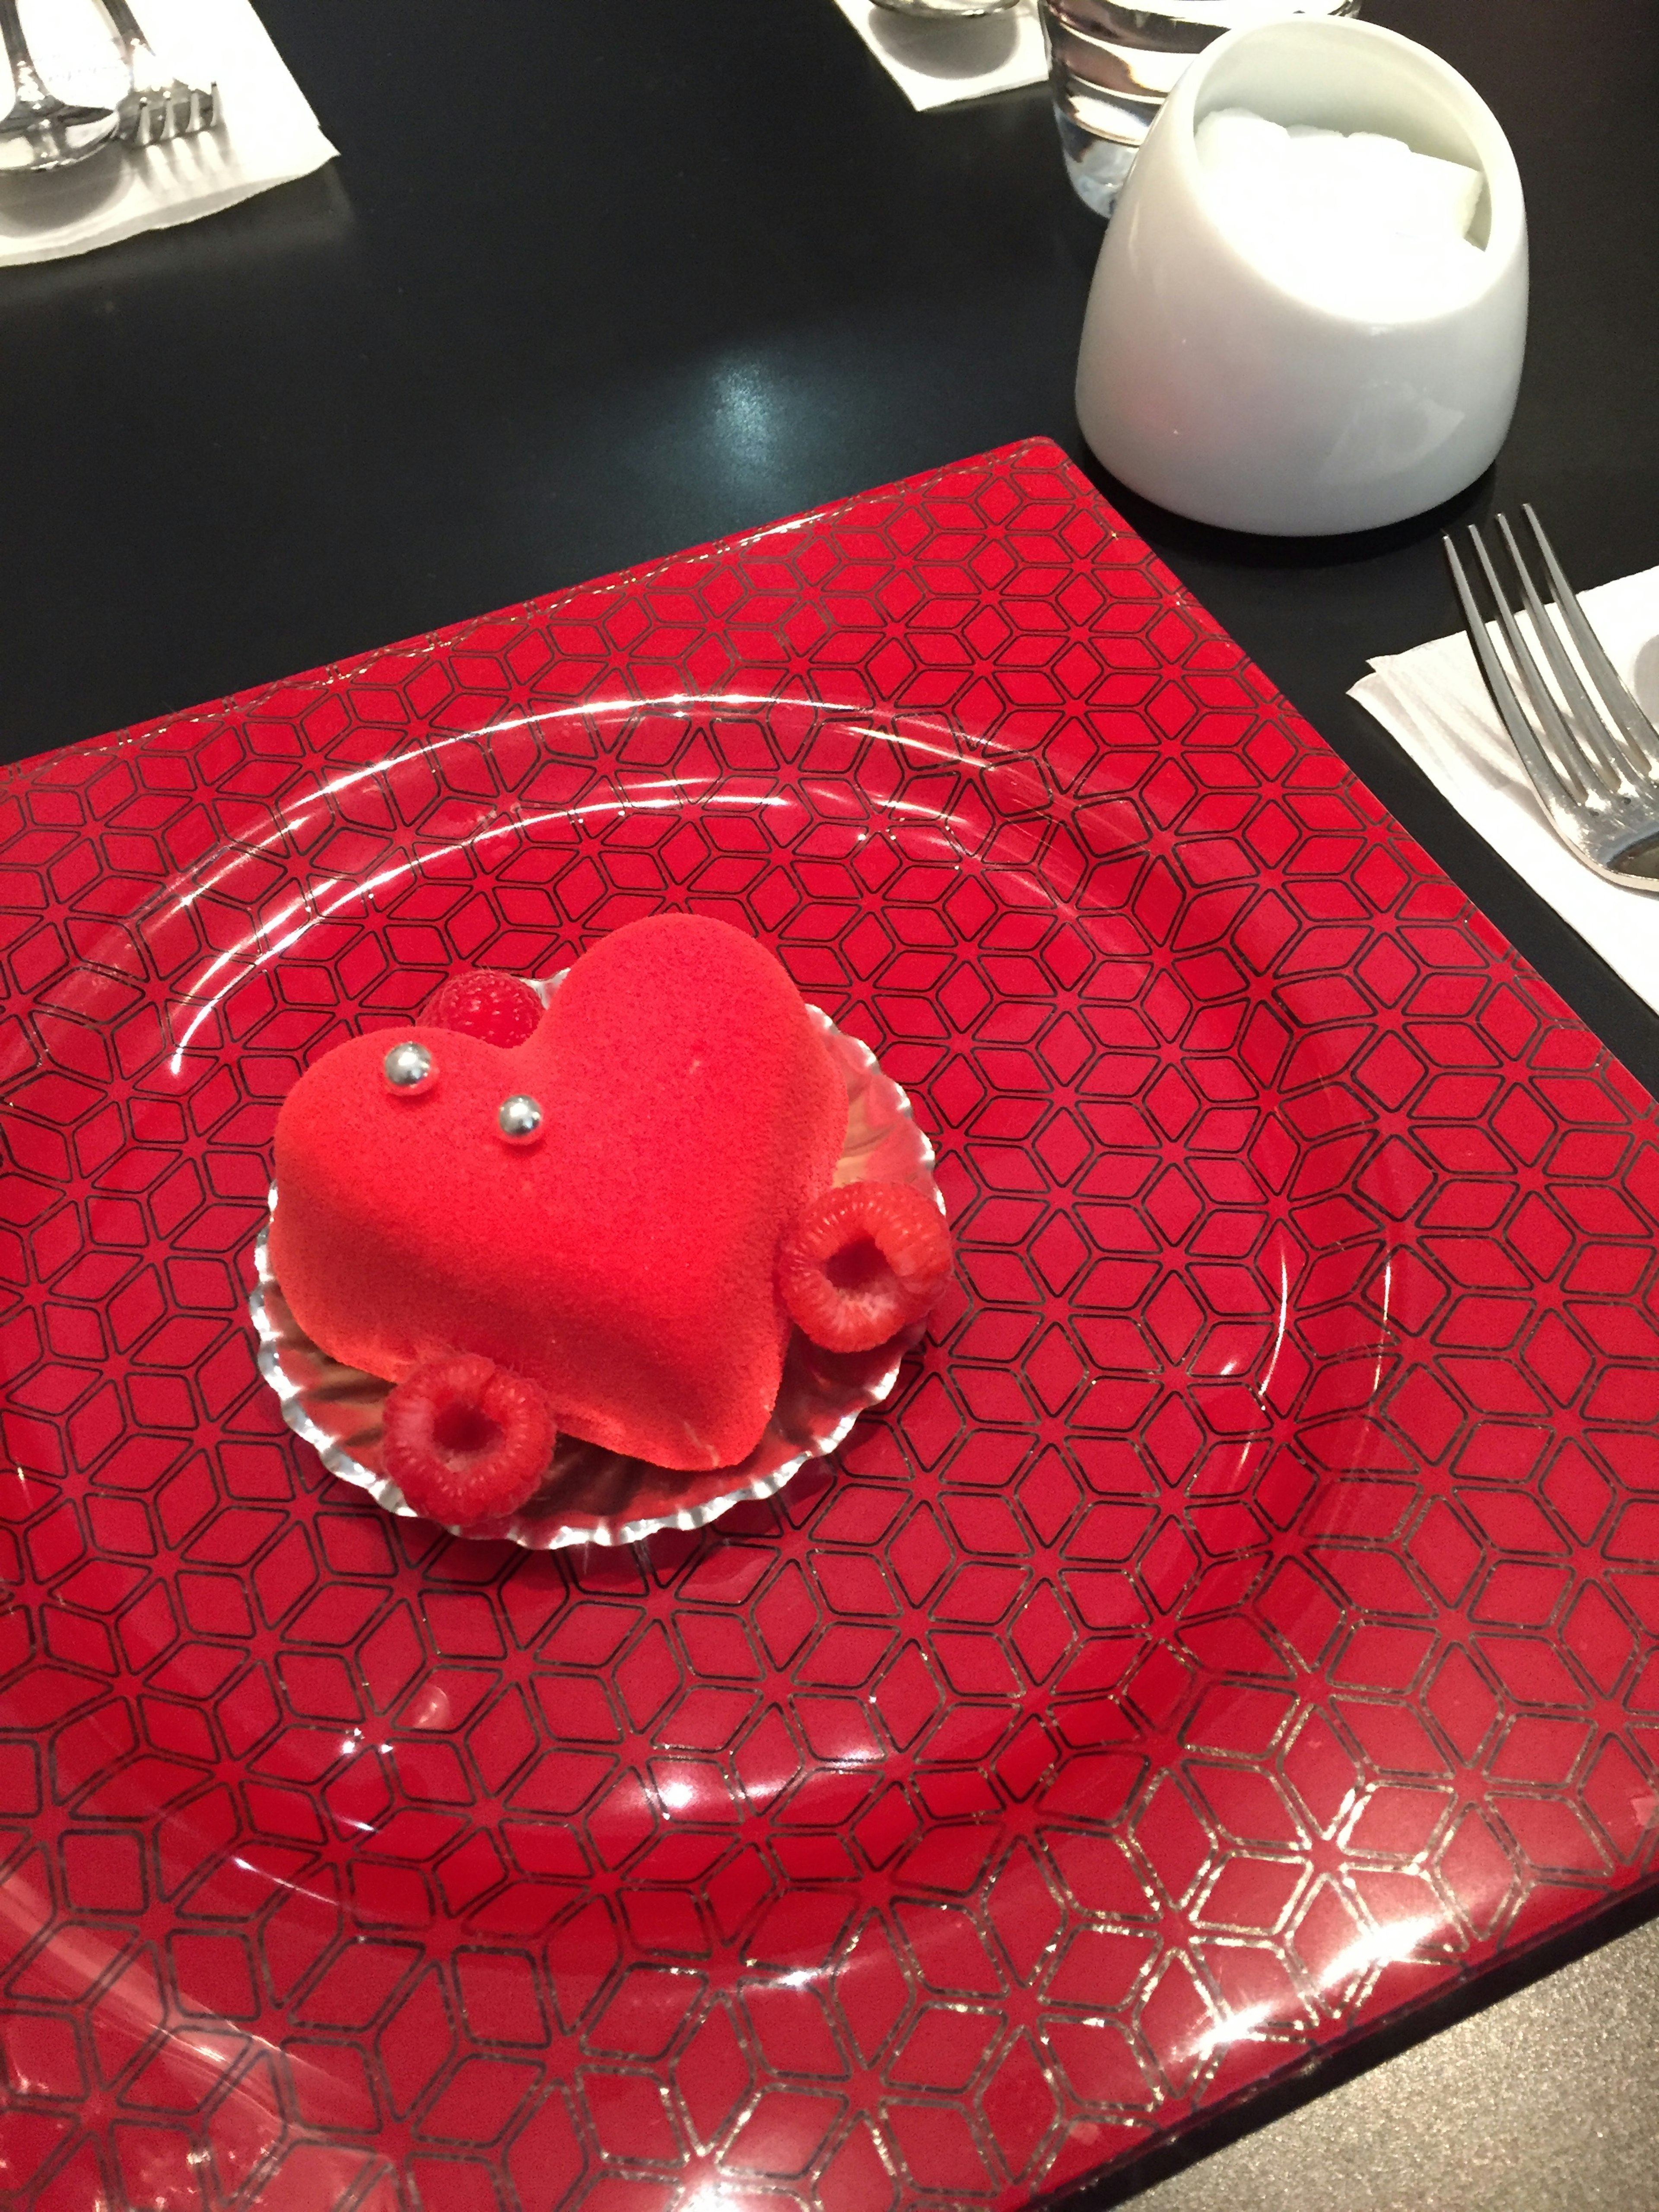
x=1433, y=703
x=936, y=64
x=266, y=135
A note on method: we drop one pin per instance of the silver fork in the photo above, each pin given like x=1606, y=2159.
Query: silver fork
x=39, y=131
x=1594, y=763
x=159, y=105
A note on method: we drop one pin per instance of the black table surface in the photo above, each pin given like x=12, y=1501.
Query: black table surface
x=596, y=279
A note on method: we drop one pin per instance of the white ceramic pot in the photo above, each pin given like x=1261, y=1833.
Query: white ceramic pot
x=1207, y=387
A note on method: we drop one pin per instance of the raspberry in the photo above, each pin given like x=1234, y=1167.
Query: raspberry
x=465, y=1441
x=863, y=1262
x=501, y=1009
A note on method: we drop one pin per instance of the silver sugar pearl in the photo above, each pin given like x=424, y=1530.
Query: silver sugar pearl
x=520, y=1118
x=408, y=1067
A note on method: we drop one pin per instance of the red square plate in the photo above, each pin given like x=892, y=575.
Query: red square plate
x=1239, y=1627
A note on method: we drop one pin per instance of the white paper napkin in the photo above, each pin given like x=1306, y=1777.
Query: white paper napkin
x=266, y=135
x=936, y=64
x=1433, y=702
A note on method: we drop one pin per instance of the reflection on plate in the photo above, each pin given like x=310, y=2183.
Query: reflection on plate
x=595, y=1497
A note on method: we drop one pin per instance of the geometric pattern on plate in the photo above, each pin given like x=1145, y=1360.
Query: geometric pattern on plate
x=1238, y=1626
x=595, y=1497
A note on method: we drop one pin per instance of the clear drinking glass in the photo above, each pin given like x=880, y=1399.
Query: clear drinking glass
x=1112, y=66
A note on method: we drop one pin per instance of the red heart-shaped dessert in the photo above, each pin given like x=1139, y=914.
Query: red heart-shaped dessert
x=621, y=1254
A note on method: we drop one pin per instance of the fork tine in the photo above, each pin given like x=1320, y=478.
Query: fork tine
x=1632, y=721
x=1564, y=743
x=1540, y=767
x=1583, y=716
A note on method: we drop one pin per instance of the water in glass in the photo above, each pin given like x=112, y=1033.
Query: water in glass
x=1112, y=65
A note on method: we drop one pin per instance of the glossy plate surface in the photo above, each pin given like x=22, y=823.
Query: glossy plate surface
x=1240, y=1623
